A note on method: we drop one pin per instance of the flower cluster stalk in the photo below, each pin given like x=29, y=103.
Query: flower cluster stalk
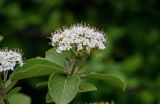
x=3, y=90
x=73, y=71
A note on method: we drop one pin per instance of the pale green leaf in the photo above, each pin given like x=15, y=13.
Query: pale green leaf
x=109, y=79
x=10, y=84
x=86, y=86
x=45, y=83
x=13, y=91
x=84, y=69
x=19, y=99
x=57, y=58
x=1, y=100
x=63, y=89
x=36, y=67
x=49, y=98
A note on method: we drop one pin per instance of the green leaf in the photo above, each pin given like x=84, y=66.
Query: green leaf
x=109, y=79
x=19, y=99
x=1, y=100
x=84, y=69
x=36, y=67
x=45, y=83
x=85, y=86
x=63, y=89
x=9, y=85
x=57, y=58
x=1, y=38
x=49, y=98
x=13, y=91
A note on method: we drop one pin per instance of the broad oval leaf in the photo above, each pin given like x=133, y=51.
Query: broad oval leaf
x=44, y=83
x=9, y=85
x=49, y=98
x=1, y=100
x=13, y=91
x=63, y=89
x=58, y=58
x=83, y=88
x=36, y=67
x=86, y=86
x=19, y=99
x=109, y=79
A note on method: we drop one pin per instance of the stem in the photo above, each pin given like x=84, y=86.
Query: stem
x=5, y=74
x=72, y=53
x=4, y=90
x=73, y=71
x=6, y=100
x=1, y=79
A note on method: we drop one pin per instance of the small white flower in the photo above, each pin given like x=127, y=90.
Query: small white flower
x=80, y=37
x=9, y=59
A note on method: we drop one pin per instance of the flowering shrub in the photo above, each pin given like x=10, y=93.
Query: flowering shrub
x=64, y=64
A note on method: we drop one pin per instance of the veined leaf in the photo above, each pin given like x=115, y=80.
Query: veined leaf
x=36, y=67
x=63, y=89
x=9, y=85
x=109, y=79
x=45, y=83
x=1, y=100
x=49, y=98
x=57, y=58
x=85, y=86
x=19, y=99
x=14, y=91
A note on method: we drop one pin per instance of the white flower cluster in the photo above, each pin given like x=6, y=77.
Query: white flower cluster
x=80, y=37
x=9, y=59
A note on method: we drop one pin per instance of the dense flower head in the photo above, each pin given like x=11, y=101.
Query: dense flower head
x=9, y=59
x=80, y=36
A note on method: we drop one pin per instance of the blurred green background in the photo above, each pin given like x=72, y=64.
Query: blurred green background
x=133, y=51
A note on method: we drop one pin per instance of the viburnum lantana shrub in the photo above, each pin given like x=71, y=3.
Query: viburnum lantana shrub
x=64, y=64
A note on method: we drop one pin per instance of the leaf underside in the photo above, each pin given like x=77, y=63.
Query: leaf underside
x=36, y=67
x=19, y=99
x=63, y=89
x=86, y=86
x=48, y=98
x=111, y=79
x=58, y=58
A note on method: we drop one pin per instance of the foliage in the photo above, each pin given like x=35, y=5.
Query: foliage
x=133, y=52
x=19, y=99
x=63, y=85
